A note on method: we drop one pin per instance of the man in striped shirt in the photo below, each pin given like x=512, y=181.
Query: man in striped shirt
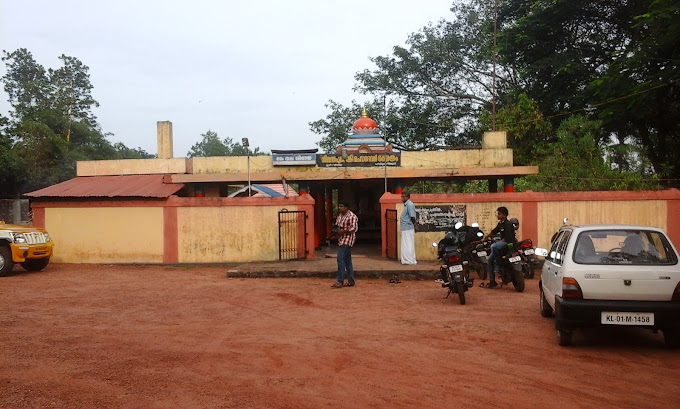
x=347, y=223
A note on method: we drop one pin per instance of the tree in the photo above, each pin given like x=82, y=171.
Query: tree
x=123, y=152
x=446, y=77
x=211, y=145
x=576, y=162
x=526, y=128
x=615, y=61
x=51, y=125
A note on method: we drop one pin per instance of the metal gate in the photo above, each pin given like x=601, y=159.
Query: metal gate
x=391, y=233
x=292, y=234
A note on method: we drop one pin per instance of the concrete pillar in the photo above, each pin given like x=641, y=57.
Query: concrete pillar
x=493, y=185
x=329, y=211
x=509, y=184
x=164, y=133
x=398, y=187
x=495, y=140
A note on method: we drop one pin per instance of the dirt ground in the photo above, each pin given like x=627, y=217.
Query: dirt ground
x=102, y=336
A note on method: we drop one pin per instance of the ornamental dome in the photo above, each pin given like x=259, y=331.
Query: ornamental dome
x=364, y=125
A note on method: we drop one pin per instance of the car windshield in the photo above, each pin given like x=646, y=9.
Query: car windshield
x=623, y=247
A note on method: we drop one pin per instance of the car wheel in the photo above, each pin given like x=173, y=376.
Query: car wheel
x=564, y=337
x=546, y=309
x=6, y=263
x=35, y=264
x=672, y=338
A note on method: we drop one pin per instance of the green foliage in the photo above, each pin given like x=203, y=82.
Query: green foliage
x=615, y=61
x=429, y=94
x=575, y=162
x=52, y=125
x=212, y=145
x=525, y=126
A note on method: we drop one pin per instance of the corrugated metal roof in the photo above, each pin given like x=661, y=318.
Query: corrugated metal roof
x=111, y=186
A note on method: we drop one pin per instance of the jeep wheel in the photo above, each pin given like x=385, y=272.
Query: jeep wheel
x=35, y=264
x=6, y=263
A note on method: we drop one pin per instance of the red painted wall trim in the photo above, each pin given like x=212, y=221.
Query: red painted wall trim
x=170, y=235
x=673, y=222
x=38, y=216
x=529, y=222
x=387, y=201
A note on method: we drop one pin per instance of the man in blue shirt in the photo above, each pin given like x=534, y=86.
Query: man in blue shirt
x=407, y=223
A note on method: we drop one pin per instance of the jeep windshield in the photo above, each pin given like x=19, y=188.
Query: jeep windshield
x=642, y=247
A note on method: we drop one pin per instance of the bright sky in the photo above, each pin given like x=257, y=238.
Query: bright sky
x=258, y=69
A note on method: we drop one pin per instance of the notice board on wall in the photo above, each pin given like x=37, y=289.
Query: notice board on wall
x=439, y=217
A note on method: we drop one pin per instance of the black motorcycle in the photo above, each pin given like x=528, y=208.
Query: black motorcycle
x=455, y=271
x=476, y=254
x=511, y=263
x=529, y=261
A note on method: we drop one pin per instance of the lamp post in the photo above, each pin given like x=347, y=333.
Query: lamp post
x=385, y=164
x=345, y=155
x=244, y=142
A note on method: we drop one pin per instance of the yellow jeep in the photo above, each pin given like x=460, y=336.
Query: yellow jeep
x=30, y=246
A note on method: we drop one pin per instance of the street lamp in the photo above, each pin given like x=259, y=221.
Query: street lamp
x=345, y=155
x=385, y=163
x=244, y=142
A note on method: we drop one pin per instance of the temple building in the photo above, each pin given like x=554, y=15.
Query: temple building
x=194, y=192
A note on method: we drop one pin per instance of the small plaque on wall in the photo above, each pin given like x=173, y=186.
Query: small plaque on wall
x=439, y=217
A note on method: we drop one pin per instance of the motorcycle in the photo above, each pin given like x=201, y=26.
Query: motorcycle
x=529, y=261
x=526, y=251
x=476, y=254
x=455, y=271
x=511, y=264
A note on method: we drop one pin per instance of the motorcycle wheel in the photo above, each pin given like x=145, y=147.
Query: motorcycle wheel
x=531, y=271
x=481, y=273
x=460, y=289
x=518, y=280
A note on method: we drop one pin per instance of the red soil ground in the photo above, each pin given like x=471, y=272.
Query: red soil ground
x=102, y=336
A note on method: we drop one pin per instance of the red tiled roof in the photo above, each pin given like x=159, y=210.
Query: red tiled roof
x=111, y=186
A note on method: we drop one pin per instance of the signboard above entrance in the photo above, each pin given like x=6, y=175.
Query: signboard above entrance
x=439, y=217
x=297, y=159
x=359, y=160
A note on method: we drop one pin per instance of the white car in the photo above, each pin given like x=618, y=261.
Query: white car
x=611, y=275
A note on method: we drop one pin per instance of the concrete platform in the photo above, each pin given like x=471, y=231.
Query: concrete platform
x=367, y=262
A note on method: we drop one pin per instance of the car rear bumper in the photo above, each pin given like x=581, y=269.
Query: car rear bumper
x=585, y=313
x=23, y=252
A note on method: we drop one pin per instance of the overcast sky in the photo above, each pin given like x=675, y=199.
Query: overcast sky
x=258, y=69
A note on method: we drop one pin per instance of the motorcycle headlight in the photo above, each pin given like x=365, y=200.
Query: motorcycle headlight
x=19, y=237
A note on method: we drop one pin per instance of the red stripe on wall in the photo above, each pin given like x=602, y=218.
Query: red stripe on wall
x=529, y=222
x=170, y=235
x=673, y=221
x=38, y=217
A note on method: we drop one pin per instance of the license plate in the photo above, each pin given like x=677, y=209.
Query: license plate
x=41, y=248
x=455, y=268
x=628, y=318
x=481, y=253
x=514, y=259
x=528, y=252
